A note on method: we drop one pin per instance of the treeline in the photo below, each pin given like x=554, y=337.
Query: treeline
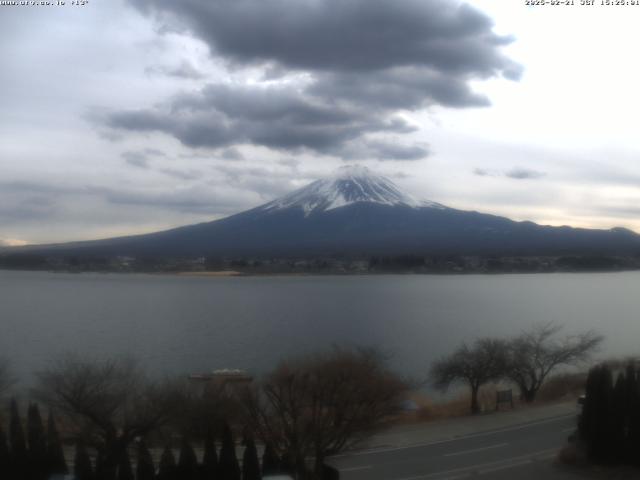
x=609, y=425
x=525, y=360
x=215, y=464
x=38, y=454
x=296, y=416
x=332, y=263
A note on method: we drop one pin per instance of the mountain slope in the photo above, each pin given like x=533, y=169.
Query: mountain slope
x=356, y=212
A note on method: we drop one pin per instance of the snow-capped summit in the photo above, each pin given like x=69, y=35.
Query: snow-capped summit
x=347, y=185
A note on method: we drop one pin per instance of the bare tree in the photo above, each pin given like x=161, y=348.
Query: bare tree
x=484, y=361
x=109, y=402
x=6, y=378
x=534, y=354
x=320, y=405
x=204, y=407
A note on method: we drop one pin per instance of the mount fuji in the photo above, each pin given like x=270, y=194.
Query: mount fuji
x=357, y=212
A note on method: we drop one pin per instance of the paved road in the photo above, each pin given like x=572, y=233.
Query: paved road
x=520, y=451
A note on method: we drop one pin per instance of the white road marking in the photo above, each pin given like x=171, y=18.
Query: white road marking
x=353, y=469
x=474, y=450
x=453, y=439
x=486, y=467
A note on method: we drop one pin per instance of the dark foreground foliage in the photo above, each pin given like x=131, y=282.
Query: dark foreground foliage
x=609, y=426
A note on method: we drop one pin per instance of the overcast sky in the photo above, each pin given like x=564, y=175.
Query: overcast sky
x=129, y=116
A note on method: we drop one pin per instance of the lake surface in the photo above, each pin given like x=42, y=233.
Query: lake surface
x=189, y=324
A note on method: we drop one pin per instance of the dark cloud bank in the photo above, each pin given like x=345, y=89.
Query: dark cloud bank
x=366, y=61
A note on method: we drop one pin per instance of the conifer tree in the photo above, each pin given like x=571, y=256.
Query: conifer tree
x=100, y=470
x=287, y=464
x=187, y=462
x=586, y=422
x=209, y=467
x=144, y=468
x=270, y=461
x=38, y=462
x=125, y=472
x=104, y=471
x=633, y=402
x=595, y=423
x=82, y=468
x=167, y=465
x=619, y=420
x=250, y=462
x=55, y=454
x=605, y=413
x=18, y=444
x=229, y=468
x=5, y=458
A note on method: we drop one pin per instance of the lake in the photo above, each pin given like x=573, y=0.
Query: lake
x=182, y=325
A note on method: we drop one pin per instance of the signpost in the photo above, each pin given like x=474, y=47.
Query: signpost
x=504, y=396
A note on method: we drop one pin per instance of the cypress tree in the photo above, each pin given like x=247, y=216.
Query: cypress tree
x=287, y=465
x=606, y=431
x=167, y=465
x=99, y=470
x=587, y=421
x=144, y=468
x=187, y=462
x=125, y=472
x=209, y=468
x=5, y=456
x=19, y=460
x=633, y=402
x=250, y=462
x=55, y=453
x=82, y=468
x=270, y=461
x=104, y=471
x=595, y=423
x=38, y=461
x=619, y=420
x=229, y=468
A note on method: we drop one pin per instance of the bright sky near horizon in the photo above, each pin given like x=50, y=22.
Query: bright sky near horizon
x=126, y=116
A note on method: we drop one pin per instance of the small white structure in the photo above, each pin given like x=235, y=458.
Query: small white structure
x=223, y=375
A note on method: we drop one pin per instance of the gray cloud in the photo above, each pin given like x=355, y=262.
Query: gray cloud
x=364, y=60
x=395, y=151
x=275, y=117
x=181, y=174
x=482, y=172
x=231, y=154
x=267, y=183
x=187, y=201
x=136, y=159
x=184, y=69
x=35, y=201
x=27, y=208
x=516, y=173
x=289, y=162
x=154, y=152
x=408, y=88
x=519, y=173
x=141, y=158
x=336, y=35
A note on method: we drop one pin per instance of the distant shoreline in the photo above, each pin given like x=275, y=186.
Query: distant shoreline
x=217, y=273
x=235, y=273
